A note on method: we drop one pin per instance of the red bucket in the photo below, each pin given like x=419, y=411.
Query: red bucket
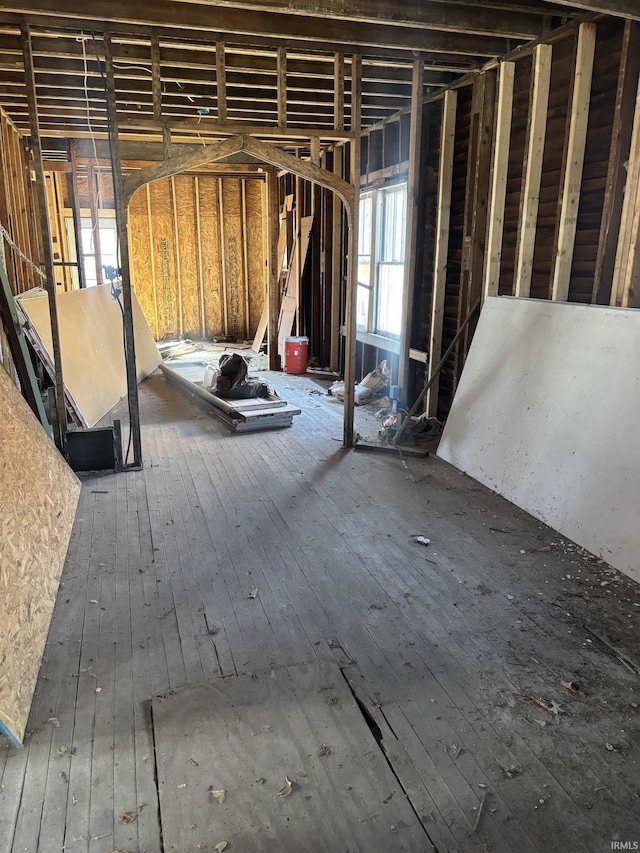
x=296, y=355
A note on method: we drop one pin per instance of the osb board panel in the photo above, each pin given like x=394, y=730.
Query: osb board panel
x=210, y=243
x=142, y=262
x=92, y=348
x=233, y=258
x=38, y=499
x=244, y=736
x=538, y=419
x=186, y=238
x=164, y=257
x=256, y=261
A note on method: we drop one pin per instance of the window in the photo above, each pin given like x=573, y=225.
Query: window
x=108, y=248
x=380, y=285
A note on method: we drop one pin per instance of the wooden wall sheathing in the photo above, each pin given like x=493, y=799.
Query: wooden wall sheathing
x=193, y=262
x=521, y=94
x=596, y=161
x=38, y=498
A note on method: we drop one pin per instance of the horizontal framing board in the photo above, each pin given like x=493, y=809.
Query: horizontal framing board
x=38, y=498
x=245, y=735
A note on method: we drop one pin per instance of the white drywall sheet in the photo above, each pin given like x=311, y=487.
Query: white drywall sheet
x=91, y=343
x=547, y=414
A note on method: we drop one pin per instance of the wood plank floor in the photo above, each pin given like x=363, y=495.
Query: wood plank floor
x=231, y=554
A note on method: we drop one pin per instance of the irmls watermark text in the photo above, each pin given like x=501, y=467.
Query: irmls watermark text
x=625, y=845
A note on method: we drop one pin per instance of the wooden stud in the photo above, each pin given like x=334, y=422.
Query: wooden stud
x=282, y=86
x=624, y=290
x=95, y=221
x=273, y=295
x=174, y=215
x=223, y=271
x=574, y=159
x=152, y=255
x=245, y=256
x=60, y=429
x=534, y=152
x=338, y=92
x=221, y=82
x=315, y=150
x=59, y=232
x=337, y=263
x=617, y=174
x=125, y=271
x=499, y=178
x=166, y=142
x=77, y=217
x=445, y=175
x=200, y=268
x=156, y=78
x=352, y=252
x=411, y=228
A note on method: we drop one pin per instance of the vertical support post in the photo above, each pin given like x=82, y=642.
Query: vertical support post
x=223, y=269
x=574, y=159
x=282, y=86
x=273, y=294
x=534, y=152
x=123, y=242
x=315, y=150
x=95, y=222
x=441, y=254
x=297, y=257
x=60, y=431
x=337, y=263
x=411, y=229
x=77, y=216
x=221, y=82
x=156, y=78
x=245, y=254
x=499, y=179
x=196, y=201
x=625, y=287
x=152, y=255
x=174, y=216
x=338, y=91
x=352, y=252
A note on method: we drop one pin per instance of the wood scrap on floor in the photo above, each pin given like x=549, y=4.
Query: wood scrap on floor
x=290, y=296
x=38, y=498
x=276, y=753
x=93, y=364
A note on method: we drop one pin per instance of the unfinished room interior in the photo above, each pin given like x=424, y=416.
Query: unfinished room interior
x=320, y=431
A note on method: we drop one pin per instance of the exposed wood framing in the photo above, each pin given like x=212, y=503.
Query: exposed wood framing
x=625, y=290
x=617, y=173
x=223, y=268
x=221, y=82
x=338, y=94
x=94, y=211
x=174, y=215
x=156, y=82
x=274, y=268
x=352, y=253
x=200, y=269
x=282, y=86
x=152, y=255
x=499, y=178
x=245, y=257
x=123, y=244
x=411, y=229
x=337, y=262
x=574, y=160
x=77, y=218
x=445, y=174
x=60, y=427
x=534, y=151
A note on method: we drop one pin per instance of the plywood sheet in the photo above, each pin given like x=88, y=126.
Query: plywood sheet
x=38, y=499
x=186, y=238
x=233, y=248
x=547, y=414
x=244, y=736
x=92, y=347
x=211, y=264
x=255, y=252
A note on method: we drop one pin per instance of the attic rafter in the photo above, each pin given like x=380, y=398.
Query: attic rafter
x=621, y=8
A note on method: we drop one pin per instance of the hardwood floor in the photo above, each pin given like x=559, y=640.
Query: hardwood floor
x=232, y=554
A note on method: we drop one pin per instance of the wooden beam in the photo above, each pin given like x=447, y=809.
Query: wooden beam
x=352, y=254
x=618, y=154
x=445, y=175
x=411, y=227
x=77, y=218
x=338, y=93
x=94, y=210
x=625, y=290
x=156, y=79
x=281, y=72
x=621, y=8
x=501, y=148
x=221, y=82
x=315, y=150
x=574, y=159
x=60, y=427
x=274, y=266
x=125, y=270
x=337, y=263
x=532, y=172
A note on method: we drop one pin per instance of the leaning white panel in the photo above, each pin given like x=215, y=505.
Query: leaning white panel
x=547, y=414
